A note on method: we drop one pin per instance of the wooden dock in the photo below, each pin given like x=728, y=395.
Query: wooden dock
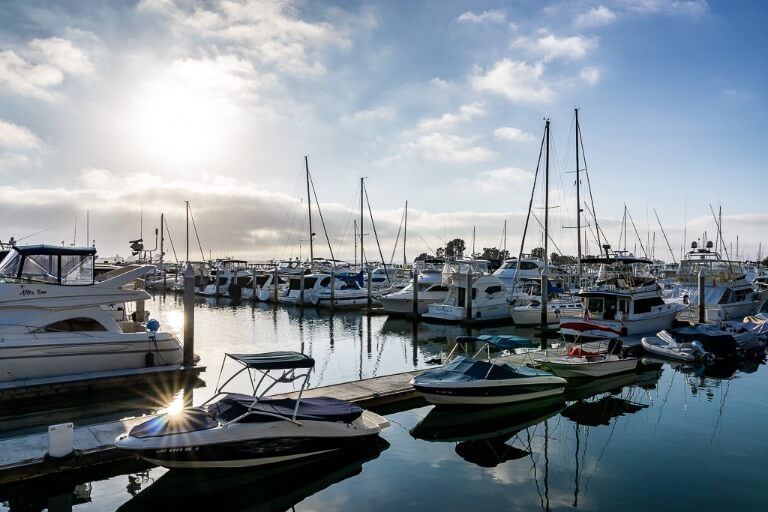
x=24, y=457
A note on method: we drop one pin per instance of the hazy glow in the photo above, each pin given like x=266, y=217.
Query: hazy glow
x=176, y=406
x=175, y=122
x=175, y=321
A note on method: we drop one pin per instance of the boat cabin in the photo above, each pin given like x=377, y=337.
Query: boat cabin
x=50, y=264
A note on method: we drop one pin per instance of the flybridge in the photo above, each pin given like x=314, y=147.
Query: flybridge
x=49, y=264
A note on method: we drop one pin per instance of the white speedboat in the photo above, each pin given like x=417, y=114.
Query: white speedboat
x=488, y=303
x=233, y=430
x=57, y=320
x=582, y=363
x=430, y=291
x=472, y=381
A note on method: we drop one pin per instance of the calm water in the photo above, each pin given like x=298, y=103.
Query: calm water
x=662, y=439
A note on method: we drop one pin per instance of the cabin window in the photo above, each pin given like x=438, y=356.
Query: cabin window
x=76, y=269
x=41, y=267
x=326, y=281
x=645, y=305
x=623, y=306
x=437, y=288
x=528, y=265
x=510, y=265
x=309, y=282
x=493, y=289
x=595, y=304
x=73, y=325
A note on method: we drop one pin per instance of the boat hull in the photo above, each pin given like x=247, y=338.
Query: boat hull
x=481, y=394
x=568, y=367
x=572, y=328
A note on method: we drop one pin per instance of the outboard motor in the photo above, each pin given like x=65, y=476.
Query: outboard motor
x=702, y=354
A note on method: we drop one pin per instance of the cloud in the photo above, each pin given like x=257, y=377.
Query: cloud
x=18, y=138
x=63, y=55
x=590, y=75
x=674, y=7
x=489, y=16
x=513, y=134
x=502, y=180
x=449, y=148
x=550, y=47
x=738, y=94
x=517, y=81
x=271, y=32
x=28, y=78
x=38, y=69
x=370, y=115
x=465, y=114
x=595, y=17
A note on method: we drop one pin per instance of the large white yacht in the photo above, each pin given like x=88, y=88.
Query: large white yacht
x=56, y=319
x=514, y=270
x=623, y=301
x=234, y=277
x=728, y=293
x=430, y=291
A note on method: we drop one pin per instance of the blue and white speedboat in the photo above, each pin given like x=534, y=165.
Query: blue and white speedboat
x=472, y=381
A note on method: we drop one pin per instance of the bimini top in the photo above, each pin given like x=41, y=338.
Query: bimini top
x=504, y=342
x=274, y=360
x=54, y=249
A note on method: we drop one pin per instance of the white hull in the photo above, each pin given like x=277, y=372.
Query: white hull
x=532, y=316
x=580, y=367
x=59, y=354
x=221, y=464
x=650, y=323
x=665, y=352
x=489, y=400
x=446, y=313
x=404, y=306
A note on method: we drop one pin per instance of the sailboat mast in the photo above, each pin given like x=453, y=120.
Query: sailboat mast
x=354, y=237
x=405, y=234
x=473, y=242
x=187, y=239
x=309, y=210
x=362, y=252
x=504, y=245
x=545, y=273
x=578, y=202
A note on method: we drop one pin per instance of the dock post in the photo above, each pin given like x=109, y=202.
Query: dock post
x=217, y=281
x=233, y=283
x=370, y=275
x=415, y=294
x=301, y=289
x=275, y=281
x=189, y=316
x=702, y=298
x=333, y=289
x=254, y=286
x=468, y=295
x=140, y=303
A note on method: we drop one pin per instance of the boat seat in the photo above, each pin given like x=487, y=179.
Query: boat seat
x=322, y=408
x=580, y=352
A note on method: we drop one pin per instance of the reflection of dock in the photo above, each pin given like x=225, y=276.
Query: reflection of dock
x=24, y=457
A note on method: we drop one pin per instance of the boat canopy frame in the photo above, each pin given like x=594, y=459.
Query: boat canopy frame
x=503, y=342
x=286, y=362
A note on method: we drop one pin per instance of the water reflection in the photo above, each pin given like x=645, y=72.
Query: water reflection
x=265, y=489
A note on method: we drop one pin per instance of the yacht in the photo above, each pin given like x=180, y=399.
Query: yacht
x=233, y=430
x=623, y=301
x=729, y=295
x=488, y=303
x=513, y=271
x=57, y=319
x=347, y=292
x=430, y=291
x=229, y=278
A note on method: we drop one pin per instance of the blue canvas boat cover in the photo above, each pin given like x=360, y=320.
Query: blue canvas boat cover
x=321, y=408
x=283, y=360
x=504, y=342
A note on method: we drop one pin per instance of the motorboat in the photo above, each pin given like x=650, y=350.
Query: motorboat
x=720, y=343
x=57, y=319
x=530, y=314
x=578, y=362
x=229, y=278
x=624, y=301
x=430, y=291
x=466, y=380
x=488, y=302
x=664, y=345
x=237, y=430
x=513, y=271
x=728, y=293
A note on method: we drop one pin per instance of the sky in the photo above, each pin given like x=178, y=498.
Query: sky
x=120, y=111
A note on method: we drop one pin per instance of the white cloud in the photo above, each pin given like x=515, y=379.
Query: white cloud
x=270, y=31
x=369, y=115
x=447, y=121
x=501, y=180
x=737, y=94
x=590, y=75
x=18, y=138
x=28, y=78
x=549, y=47
x=450, y=148
x=681, y=7
x=489, y=16
x=62, y=54
x=513, y=134
x=595, y=17
x=515, y=80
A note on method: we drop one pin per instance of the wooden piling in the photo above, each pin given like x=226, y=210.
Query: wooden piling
x=468, y=296
x=189, y=316
x=702, y=298
x=369, y=289
x=301, y=289
x=333, y=289
x=275, y=280
x=415, y=309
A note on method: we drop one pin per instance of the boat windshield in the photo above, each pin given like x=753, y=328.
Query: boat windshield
x=66, y=269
